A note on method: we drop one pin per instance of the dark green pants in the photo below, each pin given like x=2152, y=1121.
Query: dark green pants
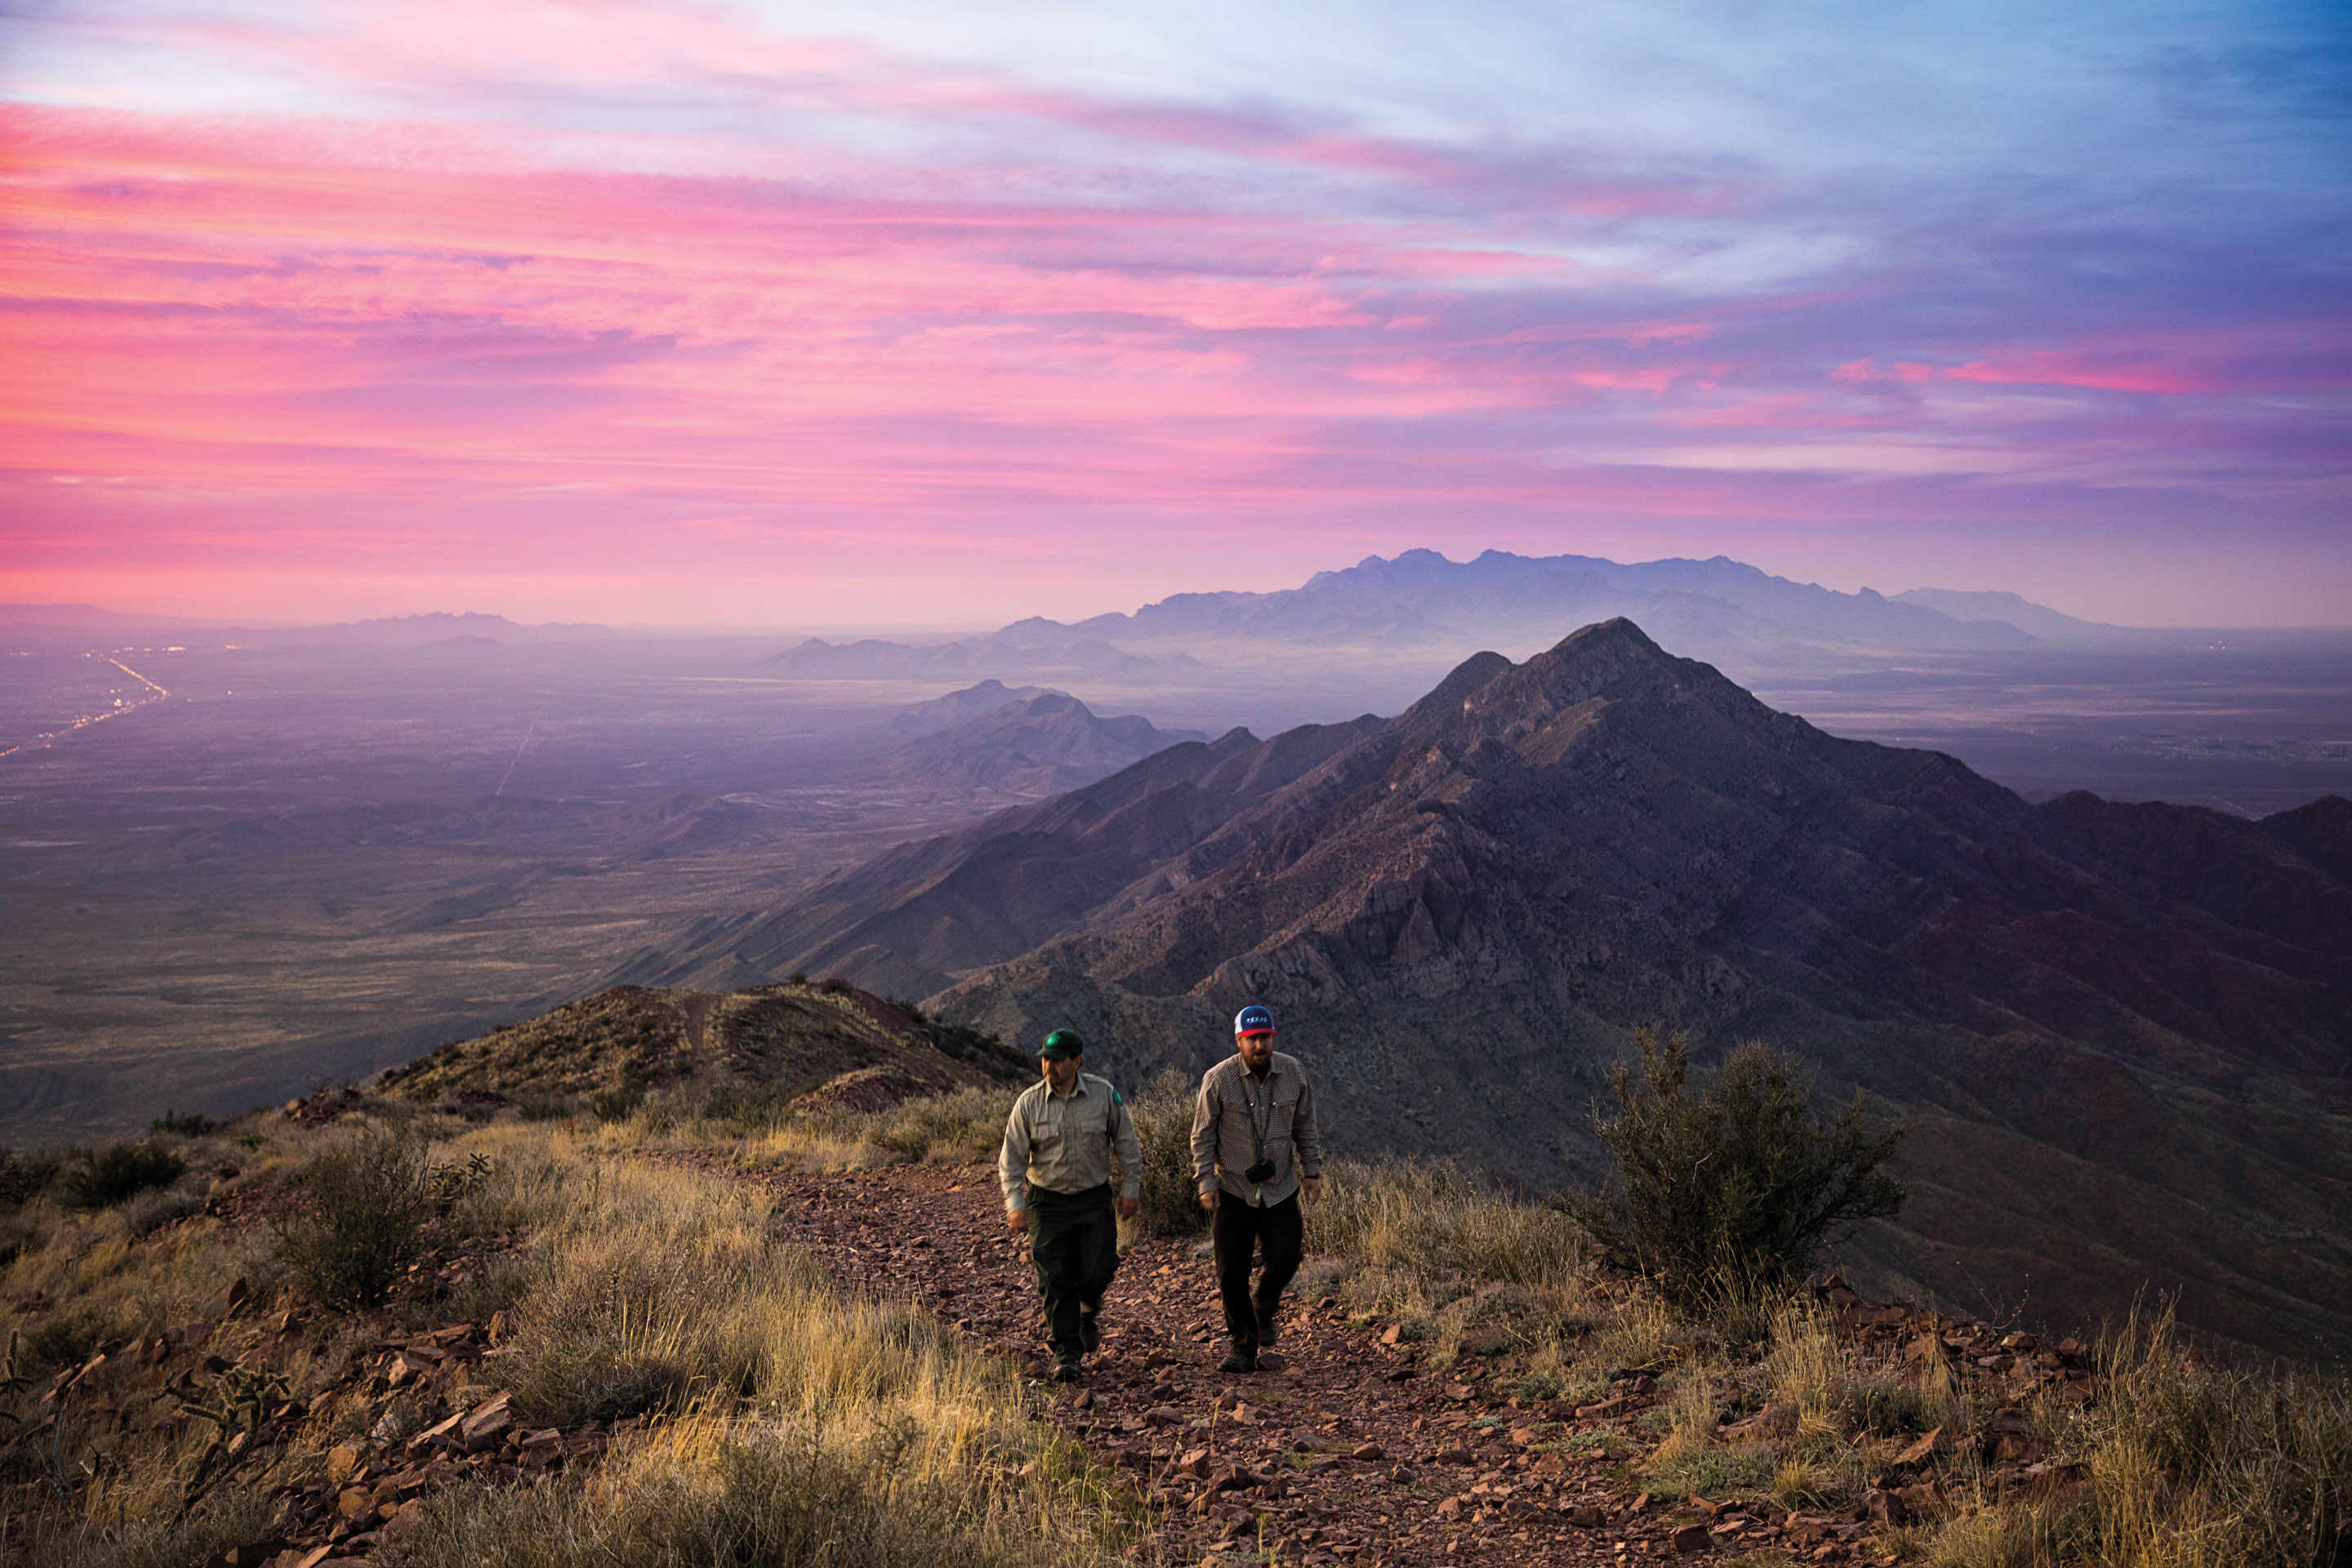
x=1074, y=1242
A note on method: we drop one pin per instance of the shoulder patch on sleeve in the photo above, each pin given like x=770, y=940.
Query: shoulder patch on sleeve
x=1115, y=1099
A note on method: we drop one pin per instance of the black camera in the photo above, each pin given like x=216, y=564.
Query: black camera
x=1259, y=1175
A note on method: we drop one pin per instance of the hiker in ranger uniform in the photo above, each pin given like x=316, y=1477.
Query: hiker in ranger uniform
x=1055, y=1169
x=1254, y=1148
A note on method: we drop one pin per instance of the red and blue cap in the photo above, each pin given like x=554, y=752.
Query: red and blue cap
x=1253, y=1020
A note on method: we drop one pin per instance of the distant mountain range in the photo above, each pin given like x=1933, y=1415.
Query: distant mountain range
x=2010, y=609
x=1717, y=609
x=1034, y=647
x=2122, y=1035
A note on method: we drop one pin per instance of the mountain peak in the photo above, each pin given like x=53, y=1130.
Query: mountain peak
x=1471, y=676
x=1608, y=658
x=1618, y=631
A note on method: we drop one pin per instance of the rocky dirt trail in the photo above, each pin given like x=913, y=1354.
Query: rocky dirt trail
x=1343, y=1450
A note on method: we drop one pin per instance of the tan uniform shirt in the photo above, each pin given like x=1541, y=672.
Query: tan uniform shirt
x=1063, y=1143
x=1234, y=1108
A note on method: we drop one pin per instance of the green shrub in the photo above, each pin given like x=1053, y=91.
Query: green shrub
x=69, y=1339
x=368, y=1201
x=1163, y=1125
x=153, y=1209
x=970, y=1121
x=1731, y=1192
x=617, y=1104
x=747, y=1104
x=23, y=1177
x=452, y=1184
x=543, y=1107
x=104, y=1177
x=188, y=1126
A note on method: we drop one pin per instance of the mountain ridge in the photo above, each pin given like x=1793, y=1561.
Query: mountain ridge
x=1462, y=913
x=1420, y=602
x=1038, y=746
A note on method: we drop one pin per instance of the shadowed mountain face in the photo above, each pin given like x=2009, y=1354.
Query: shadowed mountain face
x=2122, y=1033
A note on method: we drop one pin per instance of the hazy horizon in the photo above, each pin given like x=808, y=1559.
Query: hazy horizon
x=983, y=622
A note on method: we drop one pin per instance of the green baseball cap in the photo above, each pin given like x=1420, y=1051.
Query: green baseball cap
x=1062, y=1043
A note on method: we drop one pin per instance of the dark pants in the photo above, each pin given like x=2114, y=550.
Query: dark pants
x=1237, y=1227
x=1074, y=1242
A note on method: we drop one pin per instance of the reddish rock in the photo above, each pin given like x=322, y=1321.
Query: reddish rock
x=487, y=1424
x=1765, y=1422
x=1925, y=1450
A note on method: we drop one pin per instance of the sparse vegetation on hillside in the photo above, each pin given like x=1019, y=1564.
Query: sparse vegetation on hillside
x=2152, y=1458
x=1170, y=1204
x=365, y=1199
x=605, y=1291
x=757, y=1056
x=1730, y=1194
x=735, y=1407
x=105, y=1177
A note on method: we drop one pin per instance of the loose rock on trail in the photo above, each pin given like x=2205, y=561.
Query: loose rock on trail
x=1341, y=1450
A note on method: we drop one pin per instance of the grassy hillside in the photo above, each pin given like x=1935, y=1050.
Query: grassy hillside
x=595, y=1346
x=661, y=1378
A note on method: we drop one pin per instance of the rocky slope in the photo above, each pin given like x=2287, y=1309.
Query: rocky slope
x=822, y=1044
x=2122, y=1033
x=1355, y=1446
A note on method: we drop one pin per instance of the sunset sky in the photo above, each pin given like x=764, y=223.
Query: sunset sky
x=951, y=313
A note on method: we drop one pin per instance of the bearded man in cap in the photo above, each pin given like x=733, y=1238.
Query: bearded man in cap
x=1056, y=1171
x=1256, y=1148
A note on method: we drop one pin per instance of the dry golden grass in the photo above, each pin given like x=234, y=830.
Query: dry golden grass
x=965, y=1125
x=705, y=1492
x=791, y=1422
x=800, y=1416
x=2187, y=1466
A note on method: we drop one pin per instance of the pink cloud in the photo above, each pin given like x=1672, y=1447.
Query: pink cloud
x=2191, y=365
x=303, y=340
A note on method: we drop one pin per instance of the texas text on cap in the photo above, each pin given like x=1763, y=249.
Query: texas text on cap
x=1253, y=1020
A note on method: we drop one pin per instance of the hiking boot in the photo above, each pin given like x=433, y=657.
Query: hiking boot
x=1068, y=1373
x=1239, y=1361
x=1091, y=1334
